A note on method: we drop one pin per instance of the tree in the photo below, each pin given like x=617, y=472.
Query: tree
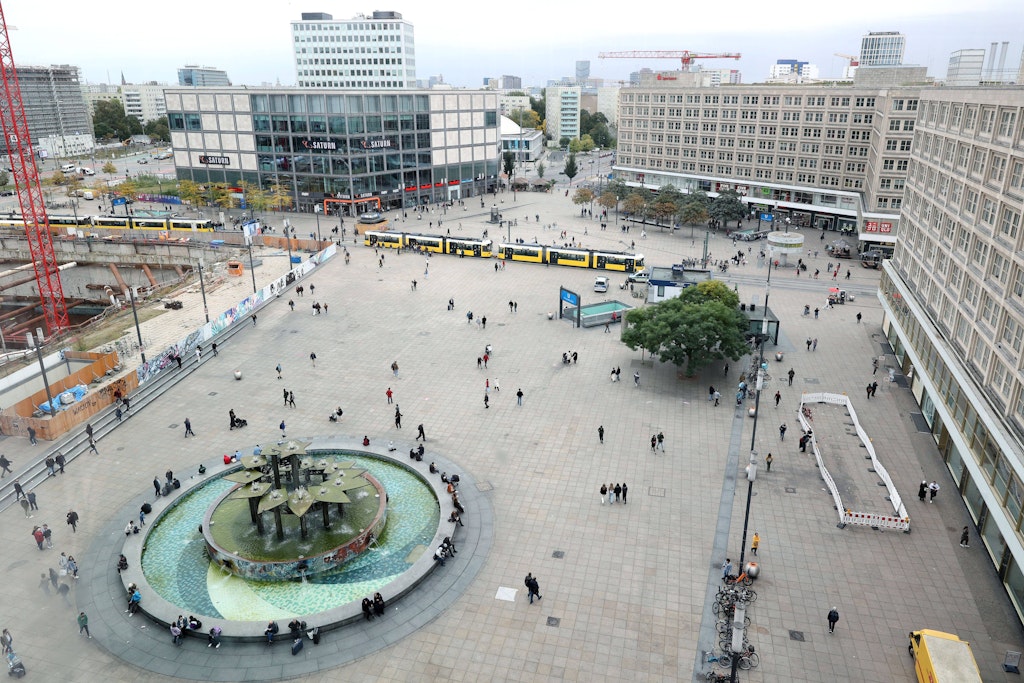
x=693, y=211
x=525, y=118
x=109, y=168
x=728, y=206
x=5, y=178
x=701, y=326
x=508, y=161
x=582, y=195
x=563, y=142
x=634, y=205
x=540, y=106
x=256, y=198
x=158, y=129
x=190, y=192
x=58, y=178
x=608, y=200
x=127, y=189
x=570, y=169
x=601, y=136
x=621, y=189
x=110, y=121
x=540, y=169
x=222, y=196
x=280, y=196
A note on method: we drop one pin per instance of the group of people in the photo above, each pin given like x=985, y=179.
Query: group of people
x=616, y=493
x=374, y=607
x=928, y=490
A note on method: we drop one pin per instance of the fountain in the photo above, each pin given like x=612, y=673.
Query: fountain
x=376, y=518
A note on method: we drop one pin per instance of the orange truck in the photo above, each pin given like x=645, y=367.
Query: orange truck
x=942, y=658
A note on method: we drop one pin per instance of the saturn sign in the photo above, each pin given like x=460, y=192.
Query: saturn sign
x=320, y=145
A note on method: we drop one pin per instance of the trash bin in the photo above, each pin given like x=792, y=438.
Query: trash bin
x=752, y=569
x=778, y=356
x=238, y=374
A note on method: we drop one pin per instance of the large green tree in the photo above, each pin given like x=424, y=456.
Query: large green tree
x=571, y=170
x=582, y=195
x=109, y=121
x=158, y=129
x=508, y=163
x=525, y=118
x=728, y=206
x=701, y=326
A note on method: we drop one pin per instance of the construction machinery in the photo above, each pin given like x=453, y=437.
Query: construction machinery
x=685, y=57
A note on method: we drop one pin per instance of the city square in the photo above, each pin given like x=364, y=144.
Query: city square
x=623, y=596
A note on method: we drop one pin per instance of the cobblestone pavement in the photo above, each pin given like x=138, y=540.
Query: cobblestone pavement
x=626, y=586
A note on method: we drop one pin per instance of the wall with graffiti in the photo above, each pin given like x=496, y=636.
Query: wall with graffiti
x=240, y=312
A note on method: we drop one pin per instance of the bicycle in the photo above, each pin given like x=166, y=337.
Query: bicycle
x=742, y=578
x=748, y=659
x=716, y=677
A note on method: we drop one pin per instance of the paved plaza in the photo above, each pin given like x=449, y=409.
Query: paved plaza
x=626, y=588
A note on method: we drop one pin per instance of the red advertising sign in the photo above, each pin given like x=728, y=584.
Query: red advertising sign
x=870, y=226
x=885, y=227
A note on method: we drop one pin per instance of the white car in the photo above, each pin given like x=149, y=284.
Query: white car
x=639, y=276
x=601, y=284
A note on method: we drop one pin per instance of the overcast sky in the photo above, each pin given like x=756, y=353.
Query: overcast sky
x=537, y=40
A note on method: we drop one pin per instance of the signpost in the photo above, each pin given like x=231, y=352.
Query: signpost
x=568, y=297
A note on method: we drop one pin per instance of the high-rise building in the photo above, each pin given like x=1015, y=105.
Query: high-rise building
x=953, y=303
x=58, y=118
x=562, y=114
x=582, y=71
x=965, y=67
x=376, y=51
x=144, y=101
x=711, y=78
x=882, y=48
x=202, y=76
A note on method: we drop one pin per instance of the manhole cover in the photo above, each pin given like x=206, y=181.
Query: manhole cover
x=790, y=489
x=656, y=492
x=554, y=621
x=796, y=635
x=212, y=393
x=558, y=554
x=173, y=426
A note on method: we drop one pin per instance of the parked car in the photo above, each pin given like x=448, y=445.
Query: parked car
x=143, y=161
x=639, y=276
x=601, y=284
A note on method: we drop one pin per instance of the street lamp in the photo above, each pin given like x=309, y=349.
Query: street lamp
x=316, y=210
x=42, y=368
x=248, y=232
x=138, y=332
x=202, y=288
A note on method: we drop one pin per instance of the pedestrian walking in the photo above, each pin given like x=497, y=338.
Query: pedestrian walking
x=420, y=434
x=32, y=436
x=965, y=538
x=782, y=431
x=312, y=359
x=604, y=492
x=291, y=399
x=389, y=394
x=791, y=373
x=661, y=441
x=24, y=506
x=282, y=428
x=833, y=618
x=156, y=485
x=868, y=389
x=654, y=443
x=754, y=543
x=618, y=493
x=814, y=344
x=487, y=401
x=808, y=343
x=117, y=413
x=92, y=445
x=778, y=397
x=199, y=354
x=61, y=461
x=874, y=388
x=922, y=491
x=519, y=397
x=394, y=368
x=83, y=624
x=291, y=304
x=188, y=428
x=874, y=365
x=278, y=368
x=533, y=587
x=5, y=465
x=50, y=465
x=933, y=488
x=19, y=492
x=858, y=318
x=32, y=500
x=398, y=417
x=88, y=429
x=768, y=462
x=72, y=520
x=214, y=347
x=636, y=379
x=285, y=405
x=625, y=490
x=600, y=433
x=496, y=387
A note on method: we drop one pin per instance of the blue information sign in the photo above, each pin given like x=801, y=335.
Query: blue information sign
x=767, y=217
x=569, y=297
x=119, y=201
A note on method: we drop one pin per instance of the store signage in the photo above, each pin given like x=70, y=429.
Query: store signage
x=378, y=143
x=885, y=227
x=319, y=145
x=214, y=160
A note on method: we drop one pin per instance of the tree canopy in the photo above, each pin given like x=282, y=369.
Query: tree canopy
x=582, y=195
x=158, y=129
x=508, y=163
x=109, y=121
x=571, y=170
x=728, y=206
x=701, y=326
x=525, y=118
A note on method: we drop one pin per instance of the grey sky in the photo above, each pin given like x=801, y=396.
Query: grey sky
x=533, y=39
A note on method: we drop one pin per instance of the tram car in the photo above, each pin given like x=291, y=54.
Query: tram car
x=568, y=256
x=61, y=224
x=438, y=244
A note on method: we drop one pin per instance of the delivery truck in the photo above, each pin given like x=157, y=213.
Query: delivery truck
x=942, y=658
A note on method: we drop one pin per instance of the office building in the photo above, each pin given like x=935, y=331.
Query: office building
x=823, y=158
x=202, y=77
x=527, y=144
x=375, y=51
x=563, y=113
x=882, y=48
x=404, y=149
x=965, y=67
x=712, y=78
x=953, y=303
x=792, y=71
x=144, y=101
x=56, y=112
x=582, y=71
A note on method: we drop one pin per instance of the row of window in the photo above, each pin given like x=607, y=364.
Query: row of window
x=340, y=104
x=348, y=73
x=749, y=114
x=326, y=28
x=986, y=120
x=994, y=168
x=766, y=100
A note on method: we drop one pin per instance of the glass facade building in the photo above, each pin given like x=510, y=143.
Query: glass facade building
x=408, y=148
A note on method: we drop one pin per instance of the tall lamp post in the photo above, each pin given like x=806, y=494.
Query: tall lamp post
x=42, y=367
x=248, y=231
x=138, y=332
x=737, y=638
x=316, y=210
x=202, y=288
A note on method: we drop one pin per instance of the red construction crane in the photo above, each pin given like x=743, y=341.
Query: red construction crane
x=30, y=194
x=684, y=56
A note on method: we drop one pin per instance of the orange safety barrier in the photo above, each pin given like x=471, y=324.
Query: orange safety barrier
x=235, y=268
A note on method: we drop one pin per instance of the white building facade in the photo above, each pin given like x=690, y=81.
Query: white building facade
x=376, y=51
x=562, y=114
x=953, y=301
x=882, y=48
